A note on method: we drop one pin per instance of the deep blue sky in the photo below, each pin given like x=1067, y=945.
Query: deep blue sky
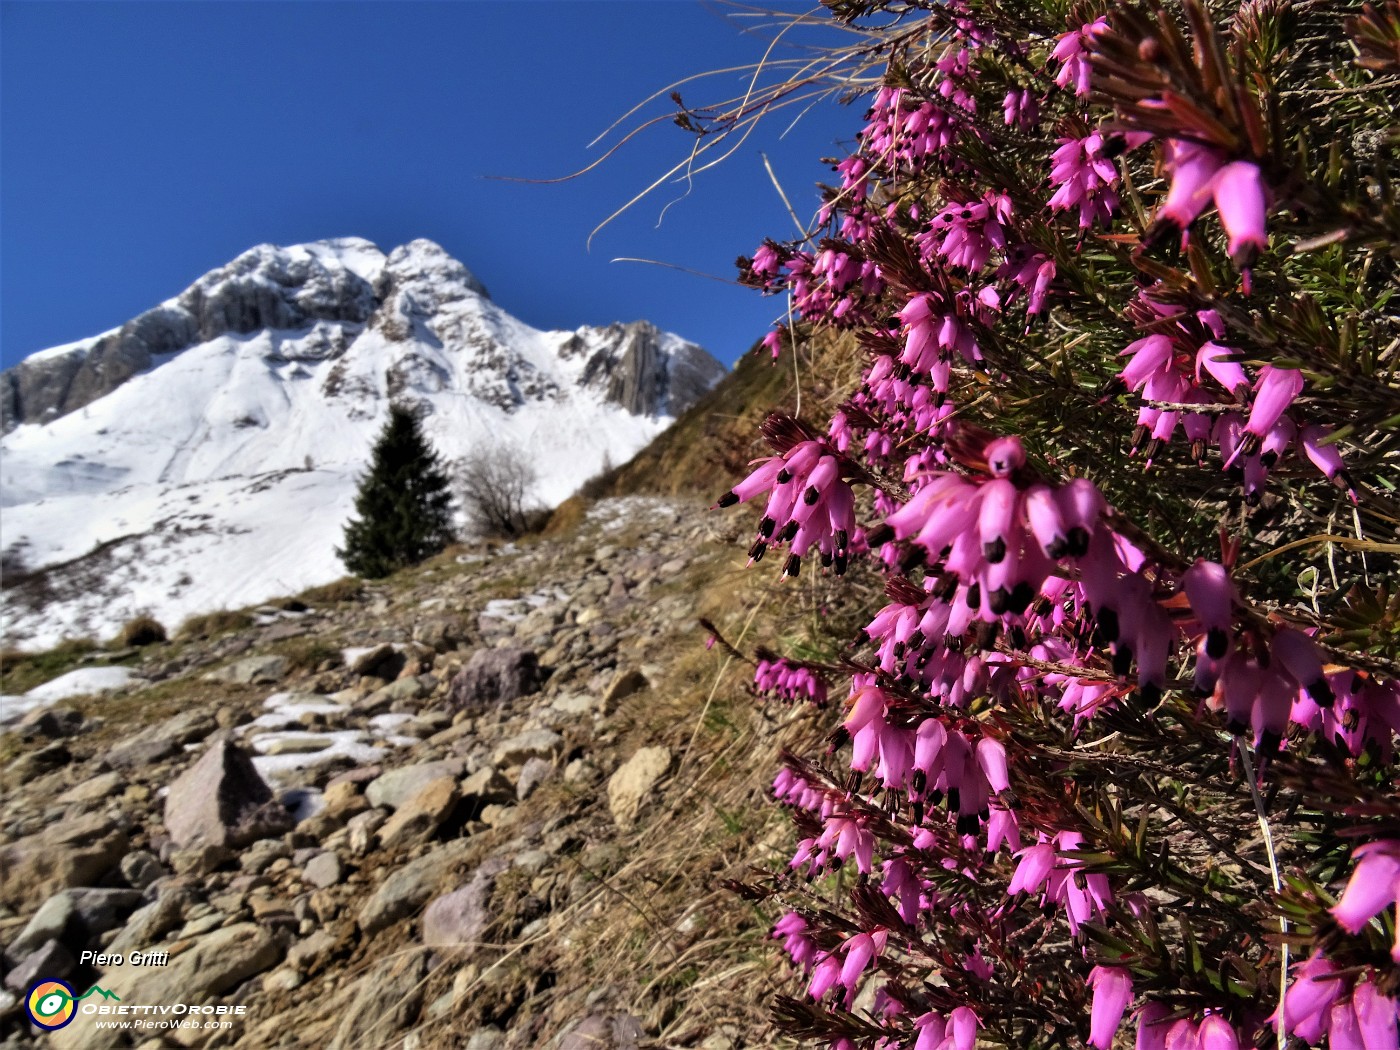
x=146, y=143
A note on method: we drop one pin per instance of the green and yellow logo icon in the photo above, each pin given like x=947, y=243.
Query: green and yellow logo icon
x=51, y=1004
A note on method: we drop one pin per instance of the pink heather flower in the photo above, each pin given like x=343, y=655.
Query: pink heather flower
x=1152, y=1028
x=1216, y=1033
x=1214, y=359
x=1375, y=1017
x=1113, y=991
x=1242, y=201
x=1275, y=391
x=1150, y=355
x=1342, y=1029
x=1374, y=885
x=1308, y=1002
x=1325, y=457
x=860, y=951
x=825, y=976
x=1192, y=168
x=1212, y=596
x=1034, y=865
x=1072, y=50
x=962, y=1029
x=1302, y=659
x=1085, y=179
x=932, y=1029
x=1183, y=1035
x=1021, y=109
x=791, y=929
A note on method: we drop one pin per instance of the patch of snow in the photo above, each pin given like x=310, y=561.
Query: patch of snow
x=84, y=681
x=338, y=744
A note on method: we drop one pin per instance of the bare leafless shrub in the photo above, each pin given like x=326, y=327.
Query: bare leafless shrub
x=495, y=485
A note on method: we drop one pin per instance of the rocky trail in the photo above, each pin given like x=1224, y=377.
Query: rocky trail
x=487, y=803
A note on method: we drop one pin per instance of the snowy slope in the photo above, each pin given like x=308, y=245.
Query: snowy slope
x=221, y=474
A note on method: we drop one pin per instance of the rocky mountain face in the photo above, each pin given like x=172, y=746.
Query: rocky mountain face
x=343, y=285
x=491, y=804
x=205, y=454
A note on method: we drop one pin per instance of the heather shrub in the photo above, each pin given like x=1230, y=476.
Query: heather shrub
x=1111, y=755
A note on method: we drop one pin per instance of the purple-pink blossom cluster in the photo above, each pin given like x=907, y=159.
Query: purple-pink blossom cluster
x=1013, y=583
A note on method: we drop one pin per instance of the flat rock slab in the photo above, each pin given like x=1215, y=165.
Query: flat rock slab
x=533, y=743
x=251, y=670
x=418, y=818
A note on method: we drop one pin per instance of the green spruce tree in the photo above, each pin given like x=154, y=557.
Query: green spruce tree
x=403, y=505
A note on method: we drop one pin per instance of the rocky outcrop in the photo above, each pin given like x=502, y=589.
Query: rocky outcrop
x=647, y=371
x=264, y=288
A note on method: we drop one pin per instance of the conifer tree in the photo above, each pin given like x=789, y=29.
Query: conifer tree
x=403, y=504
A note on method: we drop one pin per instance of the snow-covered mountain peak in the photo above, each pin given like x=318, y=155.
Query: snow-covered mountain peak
x=424, y=266
x=232, y=420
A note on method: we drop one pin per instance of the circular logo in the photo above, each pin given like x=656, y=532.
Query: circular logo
x=50, y=1004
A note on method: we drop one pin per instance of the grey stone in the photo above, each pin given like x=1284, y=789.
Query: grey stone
x=162, y=740
x=384, y=1002
x=95, y=911
x=307, y=953
x=624, y=684
x=72, y=852
x=251, y=670
x=533, y=743
x=148, y=924
x=603, y=1032
x=495, y=676
x=488, y=1038
x=418, y=818
x=222, y=800
x=487, y=784
x=408, y=888
x=141, y=868
x=462, y=917
x=49, y=923
x=50, y=722
x=216, y=963
x=361, y=829
x=534, y=773
x=442, y=634
x=397, y=786
x=323, y=870
x=51, y=959
x=95, y=789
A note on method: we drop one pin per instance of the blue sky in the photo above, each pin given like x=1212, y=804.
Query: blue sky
x=146, y=143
